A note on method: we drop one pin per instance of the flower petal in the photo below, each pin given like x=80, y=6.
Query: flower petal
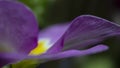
x=71, y=53
x=53, y=33
x=18, y=28
x=48, y=57
x=7, y=58
x=85, y=30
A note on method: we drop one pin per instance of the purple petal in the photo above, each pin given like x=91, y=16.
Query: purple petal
x=12, y=58
x=85, y=30
x=18, y=31
x=8, y=0
x=72, y=53
x=9, y=58
x=18, y=28
x=53, y=33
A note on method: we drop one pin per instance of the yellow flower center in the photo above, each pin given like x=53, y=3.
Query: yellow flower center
x=42, y=47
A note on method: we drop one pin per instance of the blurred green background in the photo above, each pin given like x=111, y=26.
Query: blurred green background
x=50, y=12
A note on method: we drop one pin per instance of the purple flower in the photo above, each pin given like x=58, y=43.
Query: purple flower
x=19, y=36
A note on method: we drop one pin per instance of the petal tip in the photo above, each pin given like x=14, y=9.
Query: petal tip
x=102, y=47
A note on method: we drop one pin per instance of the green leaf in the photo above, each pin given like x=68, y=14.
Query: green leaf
x=26, y=64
